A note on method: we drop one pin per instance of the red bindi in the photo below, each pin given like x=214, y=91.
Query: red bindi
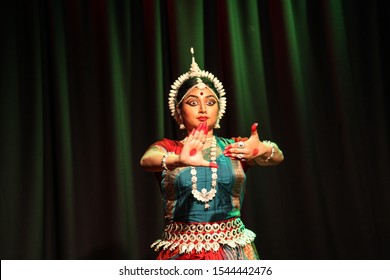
x=193, y=152
x=255, y=152
x=201, y=93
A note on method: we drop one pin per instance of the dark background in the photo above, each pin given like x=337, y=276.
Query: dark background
x=84, y=89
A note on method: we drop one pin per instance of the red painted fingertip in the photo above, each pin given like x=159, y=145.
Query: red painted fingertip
x=213, y=165
x=193, y=131
x=254, y=127
x=201, y=126
x=206, y=128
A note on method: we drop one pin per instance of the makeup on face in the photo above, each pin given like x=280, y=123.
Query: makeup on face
x=200, y=106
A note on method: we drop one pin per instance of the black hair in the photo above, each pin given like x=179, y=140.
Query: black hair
x=192, y=82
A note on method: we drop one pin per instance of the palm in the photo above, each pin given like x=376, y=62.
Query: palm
x=191, y=154
x=252, y=147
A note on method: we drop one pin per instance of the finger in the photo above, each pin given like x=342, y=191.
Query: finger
x=240, y=157
x=197, y=132
x=235, y=151
x=201, y=127
x=237, y=140
x=236, y=156
x=200, y=141
x=235, y=148
x=206, y=128
x=201, y=133
x=254, y=129
x=203, y=139
x=233, y=145
x=254, y=133
x=213, y=165
x=230, y=152
x=228, y=147
x=191, y=135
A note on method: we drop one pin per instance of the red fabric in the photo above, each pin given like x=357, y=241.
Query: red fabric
x=203, y=255
x=170, y=145
x=239, y=138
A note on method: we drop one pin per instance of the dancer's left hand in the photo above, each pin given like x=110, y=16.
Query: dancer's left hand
x=249, y=149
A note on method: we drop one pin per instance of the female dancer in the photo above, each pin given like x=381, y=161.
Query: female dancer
x=202, y=176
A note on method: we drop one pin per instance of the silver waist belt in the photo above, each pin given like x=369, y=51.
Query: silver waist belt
x=204, y=236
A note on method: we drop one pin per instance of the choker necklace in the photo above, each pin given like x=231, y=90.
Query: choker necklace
x=206, y=141
x=204, y=195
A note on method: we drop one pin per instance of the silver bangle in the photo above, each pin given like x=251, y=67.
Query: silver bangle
x=273, y=150
x=164, y=160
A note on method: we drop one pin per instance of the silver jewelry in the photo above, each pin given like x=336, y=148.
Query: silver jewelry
x=196, y=72
x=207, y=140
x=181, y=126
x=204, y=195
x=241, y=145
x=164, y=160
x=273, y=150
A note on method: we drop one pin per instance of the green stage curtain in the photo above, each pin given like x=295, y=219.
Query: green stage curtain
x=84, y=90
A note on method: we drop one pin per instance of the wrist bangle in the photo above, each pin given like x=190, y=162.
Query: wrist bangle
x=164, y=160
x=272, y=151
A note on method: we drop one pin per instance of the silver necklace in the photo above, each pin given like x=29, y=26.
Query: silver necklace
x=204, y=195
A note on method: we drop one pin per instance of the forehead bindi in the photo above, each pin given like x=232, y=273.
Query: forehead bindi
x=204, y=92
x=200, y=94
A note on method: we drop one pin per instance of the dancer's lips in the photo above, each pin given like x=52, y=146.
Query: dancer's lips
x=203, y=119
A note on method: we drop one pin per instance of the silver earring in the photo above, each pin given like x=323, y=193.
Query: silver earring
x=181, y=126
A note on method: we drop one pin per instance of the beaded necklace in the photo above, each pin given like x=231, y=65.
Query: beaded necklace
x=204, y=195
